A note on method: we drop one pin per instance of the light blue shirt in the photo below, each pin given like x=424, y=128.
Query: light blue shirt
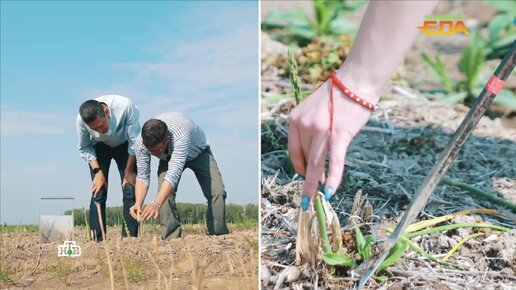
x=124, y=126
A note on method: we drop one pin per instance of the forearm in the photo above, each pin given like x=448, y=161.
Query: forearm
x=141, y=189
x=94, y=164
x=131, y=161
x=164, y=192
x=385, y=34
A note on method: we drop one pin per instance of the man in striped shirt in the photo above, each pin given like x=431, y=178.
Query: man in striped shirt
x=107, y=128
x=179, y=144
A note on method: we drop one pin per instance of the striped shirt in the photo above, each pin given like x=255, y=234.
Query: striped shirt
x=186, y=143
x=124, y=126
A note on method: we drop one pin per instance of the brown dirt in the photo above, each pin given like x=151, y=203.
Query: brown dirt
x=195, y=261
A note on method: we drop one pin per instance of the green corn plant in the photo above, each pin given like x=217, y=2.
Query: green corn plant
x=364, y=245
x=439, y=70
x=334, y=259
x=470, y=65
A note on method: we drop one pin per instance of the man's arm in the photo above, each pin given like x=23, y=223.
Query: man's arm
x=142, y=179
x=140, y=192
x=87, y=152
x=133, y=130
x=164, y=192
x=85, y=143
x=175, y=169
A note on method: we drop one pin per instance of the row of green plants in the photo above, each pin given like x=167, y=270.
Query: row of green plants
x=499, y=35
x=364, y=244
x=190, y=213
x=325, y=41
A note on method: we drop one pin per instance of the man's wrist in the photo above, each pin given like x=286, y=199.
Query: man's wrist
x=158, y=204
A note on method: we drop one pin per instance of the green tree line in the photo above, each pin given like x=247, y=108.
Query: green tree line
x=190, y=213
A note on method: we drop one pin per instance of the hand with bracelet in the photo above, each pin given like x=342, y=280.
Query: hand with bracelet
x=329, y=119
x=151, y=210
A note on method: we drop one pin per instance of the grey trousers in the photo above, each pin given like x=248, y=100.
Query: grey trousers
x=208, y=175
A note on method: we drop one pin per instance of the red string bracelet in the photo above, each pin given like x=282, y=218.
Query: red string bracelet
x=348, y=93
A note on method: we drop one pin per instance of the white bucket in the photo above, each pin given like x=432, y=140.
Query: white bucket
x=54, y=226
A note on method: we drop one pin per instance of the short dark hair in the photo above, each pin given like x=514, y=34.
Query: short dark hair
x=154, y=131
x=91, y=110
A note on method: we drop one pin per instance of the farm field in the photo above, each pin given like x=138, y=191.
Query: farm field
x=195, y=261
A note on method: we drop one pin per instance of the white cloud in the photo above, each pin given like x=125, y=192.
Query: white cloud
x=20, y=122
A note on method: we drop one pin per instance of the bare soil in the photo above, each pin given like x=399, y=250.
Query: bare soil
x=195, y=261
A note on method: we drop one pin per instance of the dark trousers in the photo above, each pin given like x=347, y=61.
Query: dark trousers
x=104, y=156
x=209, y=178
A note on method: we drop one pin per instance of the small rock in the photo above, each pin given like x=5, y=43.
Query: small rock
x=445, y=242
x=462, y=233
x=288, y=275
x=90, y=264
x=78, y=266
x=292, y=274
x=265, y=275
x=466, y=219
x=507, y=271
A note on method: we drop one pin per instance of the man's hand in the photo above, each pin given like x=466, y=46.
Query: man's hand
x=150, y=211
x=98, y=182
x=136, y=211
x=129, y=177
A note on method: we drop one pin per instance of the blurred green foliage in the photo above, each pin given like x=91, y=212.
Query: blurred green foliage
x=296, y=27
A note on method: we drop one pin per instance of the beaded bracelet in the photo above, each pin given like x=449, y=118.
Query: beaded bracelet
x=348, y=93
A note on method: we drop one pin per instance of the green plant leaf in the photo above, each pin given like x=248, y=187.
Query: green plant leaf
x=505, y=6
x=368, y=248
x=506, y=98
x=471, y=62
x=394, y=254
x=351, y=6
x=342, y=26
x=335, y=259
x=455, y=98
x=300, y=32
x=281, y=19
x=382, y=278
x=496, y=25
x=360, y=241
x=439, y=70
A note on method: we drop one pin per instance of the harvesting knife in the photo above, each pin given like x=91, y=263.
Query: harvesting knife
x=491, y=89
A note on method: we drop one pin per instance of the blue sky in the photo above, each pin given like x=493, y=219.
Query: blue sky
x=200, y=58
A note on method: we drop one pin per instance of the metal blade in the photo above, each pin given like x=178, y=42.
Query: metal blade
x=368, y=268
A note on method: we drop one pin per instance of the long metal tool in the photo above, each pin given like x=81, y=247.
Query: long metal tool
x=491, y=89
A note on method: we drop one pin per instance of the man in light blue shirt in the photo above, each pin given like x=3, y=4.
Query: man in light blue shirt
x=107, y=128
